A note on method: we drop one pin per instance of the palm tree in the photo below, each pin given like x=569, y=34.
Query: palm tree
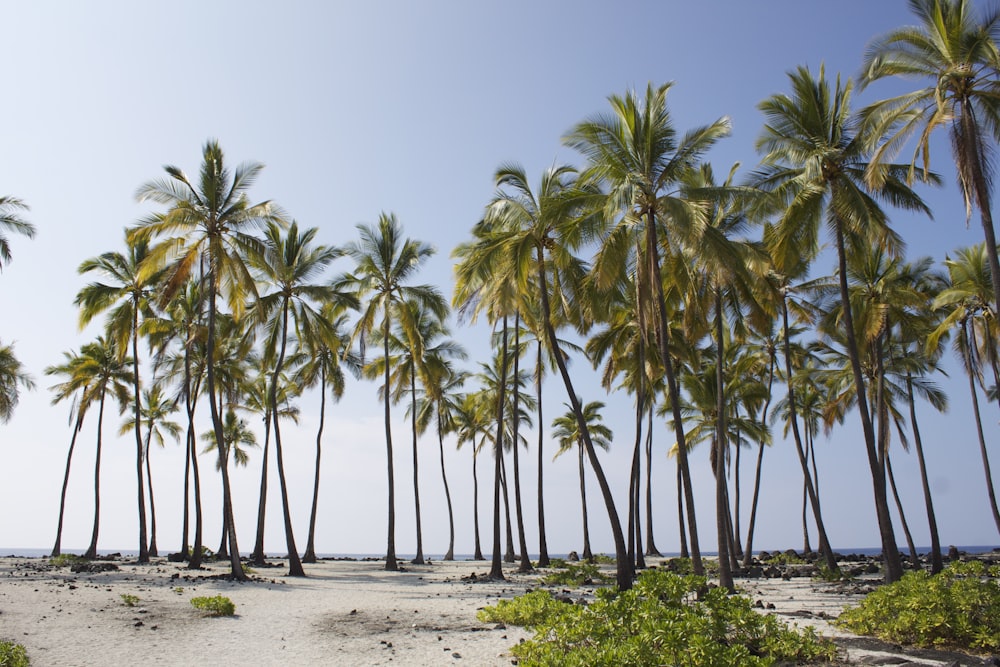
x=289, y=264
x=127, y=297
x=385, y=263
x=11, y=221
x=816, y=167
x=568, y=434
x=471, y=420
x=324, y=359
x=957, y=54
x=12, y=376
x=212, y=219
x=156, y=410
x=636, y=152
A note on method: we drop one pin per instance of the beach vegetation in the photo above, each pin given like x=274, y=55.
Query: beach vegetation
x=576, y=574
x=218, y=605
x=66, y=560
x=956, y=608
x=129, y=600
x=13, y=655
x=663, y=619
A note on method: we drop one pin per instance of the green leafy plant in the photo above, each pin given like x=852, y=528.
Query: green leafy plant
x=664, y=619
x=785, y=558
x=129, y=600
x=575, y=575
x=13, y=655
x=179, y=590
x=958, y=607
x=218, y=605
x=66, y=560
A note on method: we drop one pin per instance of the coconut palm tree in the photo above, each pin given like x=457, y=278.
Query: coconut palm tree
x=325, y=359
x=156, y=411
x=955, y=52
x=635, y=151
x=566, y=430
x=816, y=167
x=126, y=299
x=213, y=220
x=10, y=221
x=12, y=377
x=471, y=420
x=386, y=262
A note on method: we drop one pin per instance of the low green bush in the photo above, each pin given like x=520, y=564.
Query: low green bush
x=958, y=607
x=129, y=600
x=215, y=606
x=13, y=655
x=66, y=560
x=575, y=575
x=665, y=619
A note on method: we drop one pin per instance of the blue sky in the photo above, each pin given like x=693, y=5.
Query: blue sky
x=358, y=108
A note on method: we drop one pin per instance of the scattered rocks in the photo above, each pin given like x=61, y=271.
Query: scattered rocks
x=93, y=566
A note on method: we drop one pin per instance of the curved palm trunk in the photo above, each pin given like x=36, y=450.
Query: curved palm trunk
x=651, y=549
x=890, y=552
x=258, y=557
x=509, y=556
x=914, y=557
x=634, y=535
x=525, y=564
x=625, y=568
x=587, y=554
x=737, y=550
x=450, y=555
x=419, y=558
x=680, y=514
x=390, y=549
x=543, y=547
x=478, y=554
x=153, y=551
x=310, y=555
x=663, y=332
x=937, y=563
x=969, y=334
x=92, y=549
x=496, y=565
x=294, y=563
x=721, y=445
x=748, y=552
x=143, y=537
x=57, y=548
x=196, y=554
x=973, y=159
x=824, y=543
x=806, y=546
x=186, y=504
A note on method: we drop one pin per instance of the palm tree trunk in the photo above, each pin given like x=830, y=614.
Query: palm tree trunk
x=192, y=452
x=890, y=552
x=937, y=564
x=450, y=555
x=78, y=424
x=478, y=554
x=390, y=549
x=806, y=547
x=186, y=520
x=680, y=514
x=92, y=549
x=914, y=557
x=509, y=556
x=587, y=554
x=975, y=160
x=737, y=544
x=525, y=564
x=153, y=551
x=258, y=556
x=969, y=334
x=651, y=549
x=143, y=537
x=418, y=559
x=634, y=484
x=748, y=552
x=310, y=555
x=229, y=524
x=721, y=444
x=496, y=565
x=824, y=543
x=543, y=547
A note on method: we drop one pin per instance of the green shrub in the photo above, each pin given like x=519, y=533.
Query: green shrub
x=215, y=606
x=959, y=607
x=575, y=575
x=129, y=600
x=660, y=621
x=13, y=655
x=66, y=560
x=785, y=558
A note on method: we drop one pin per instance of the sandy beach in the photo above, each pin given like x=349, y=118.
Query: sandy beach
x=342, y=613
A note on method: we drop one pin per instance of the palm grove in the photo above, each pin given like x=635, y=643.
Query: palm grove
x=694, y=290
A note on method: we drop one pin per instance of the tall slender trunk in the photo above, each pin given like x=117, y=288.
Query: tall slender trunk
x=525, y=564
x=496, y=564
x=390, y=549
x=310, y=554
x=625, y=570
x=294, y=563
x=969, y=333
x=143, y=537
x=77, y=425
x=478, y=554
x=92, y=549
x=890, y=552
x=543, y=547
x=186, y=505
x=418, y=559
x=974, y=161
x=824, y=543
x=737, y=544
x=587, y=554
x=937, y=563
x=258, y=556
x=748, y=552
x=634, y=535
x=914, y=557
x=194, y=563
x=450, y=554
x=229, y=524
x=651, y=549
x=721, y=444
x=153, y=551
x=806, y=547
x=680, y=514
x=508, y=556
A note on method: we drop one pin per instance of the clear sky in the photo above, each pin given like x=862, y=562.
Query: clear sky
x=408, y=107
